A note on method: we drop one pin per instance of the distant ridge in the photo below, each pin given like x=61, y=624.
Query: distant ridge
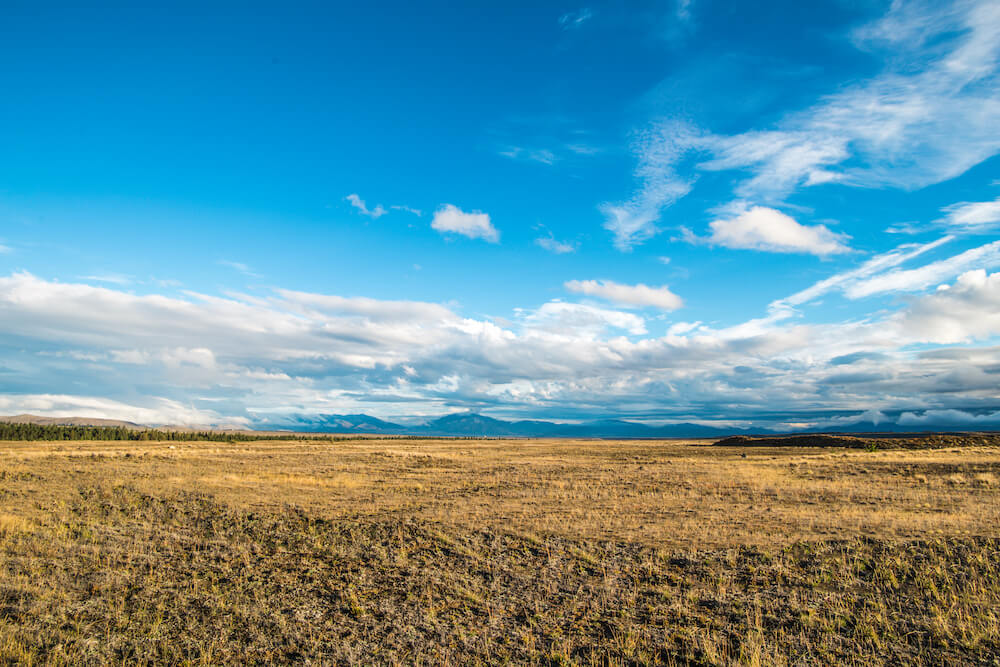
x=471, y=424
x=476, y=425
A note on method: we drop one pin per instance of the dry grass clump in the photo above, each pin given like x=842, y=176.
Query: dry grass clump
x=12, y=525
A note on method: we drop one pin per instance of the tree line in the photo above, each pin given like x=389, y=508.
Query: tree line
x=18, y=431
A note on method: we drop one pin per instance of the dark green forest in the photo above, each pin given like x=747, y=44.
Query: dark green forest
x=15, y=431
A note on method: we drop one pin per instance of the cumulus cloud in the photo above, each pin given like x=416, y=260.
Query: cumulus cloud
x=196, y=358
x=475, y=225
x=966, y=311
x=359, y=203
x=627, y=295
x=762, y=228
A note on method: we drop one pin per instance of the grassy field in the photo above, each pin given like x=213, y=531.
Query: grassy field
x=488, y=551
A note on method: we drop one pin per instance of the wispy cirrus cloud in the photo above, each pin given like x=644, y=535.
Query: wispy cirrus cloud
x=238, y=266
x=929, y=116
x=408, y=209
x=542, y=155
x=375, y=213
x=553, y=245
x=575, y=19
x=113, y=278
x=359, y=203
x=883, y=274
x=850, y=279
x=659, y=184
x=929, y=275
x=973, y=216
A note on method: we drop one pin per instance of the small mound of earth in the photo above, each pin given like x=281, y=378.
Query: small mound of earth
x=900, y=441
x=811, y=440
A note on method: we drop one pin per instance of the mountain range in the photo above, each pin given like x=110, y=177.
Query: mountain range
x=471, y=424
x=477, y=425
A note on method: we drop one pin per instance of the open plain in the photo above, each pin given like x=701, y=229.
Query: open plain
x=460, y=551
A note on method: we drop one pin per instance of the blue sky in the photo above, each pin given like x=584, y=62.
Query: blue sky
x=671, y=211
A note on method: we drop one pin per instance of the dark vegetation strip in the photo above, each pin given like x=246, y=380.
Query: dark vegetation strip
x=50, y=432
x=895, y=441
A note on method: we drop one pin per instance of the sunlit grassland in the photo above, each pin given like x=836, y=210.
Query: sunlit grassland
x=465, y=551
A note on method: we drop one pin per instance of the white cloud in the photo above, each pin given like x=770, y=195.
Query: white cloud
x=782, y=159
x=358, y=203
x=927, y=117
x=629, y=295
x=236, y=266
x=657, y=150
x=577, y=319
x=955, y=417
x=201, y=358
x=684, y=10
x=910, y=280
x=966, y=311
x=583, y=149
x=973, y=215
x=475, y=225
x=572, y=20
x=762, y=228
x=552, y=245
x=4, y=249
x=415, y=211
x=681, y=328
x=847, y=280
x=158, y=411
x=542, y=155
x=113, y=278
x=170, y=357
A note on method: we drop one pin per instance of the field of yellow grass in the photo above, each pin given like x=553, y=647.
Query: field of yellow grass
x=482, y=551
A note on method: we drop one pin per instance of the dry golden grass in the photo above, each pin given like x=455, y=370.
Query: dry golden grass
x=541, y=551
x=672, y=494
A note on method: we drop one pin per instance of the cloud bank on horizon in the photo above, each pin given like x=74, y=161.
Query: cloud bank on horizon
x=812, y=243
